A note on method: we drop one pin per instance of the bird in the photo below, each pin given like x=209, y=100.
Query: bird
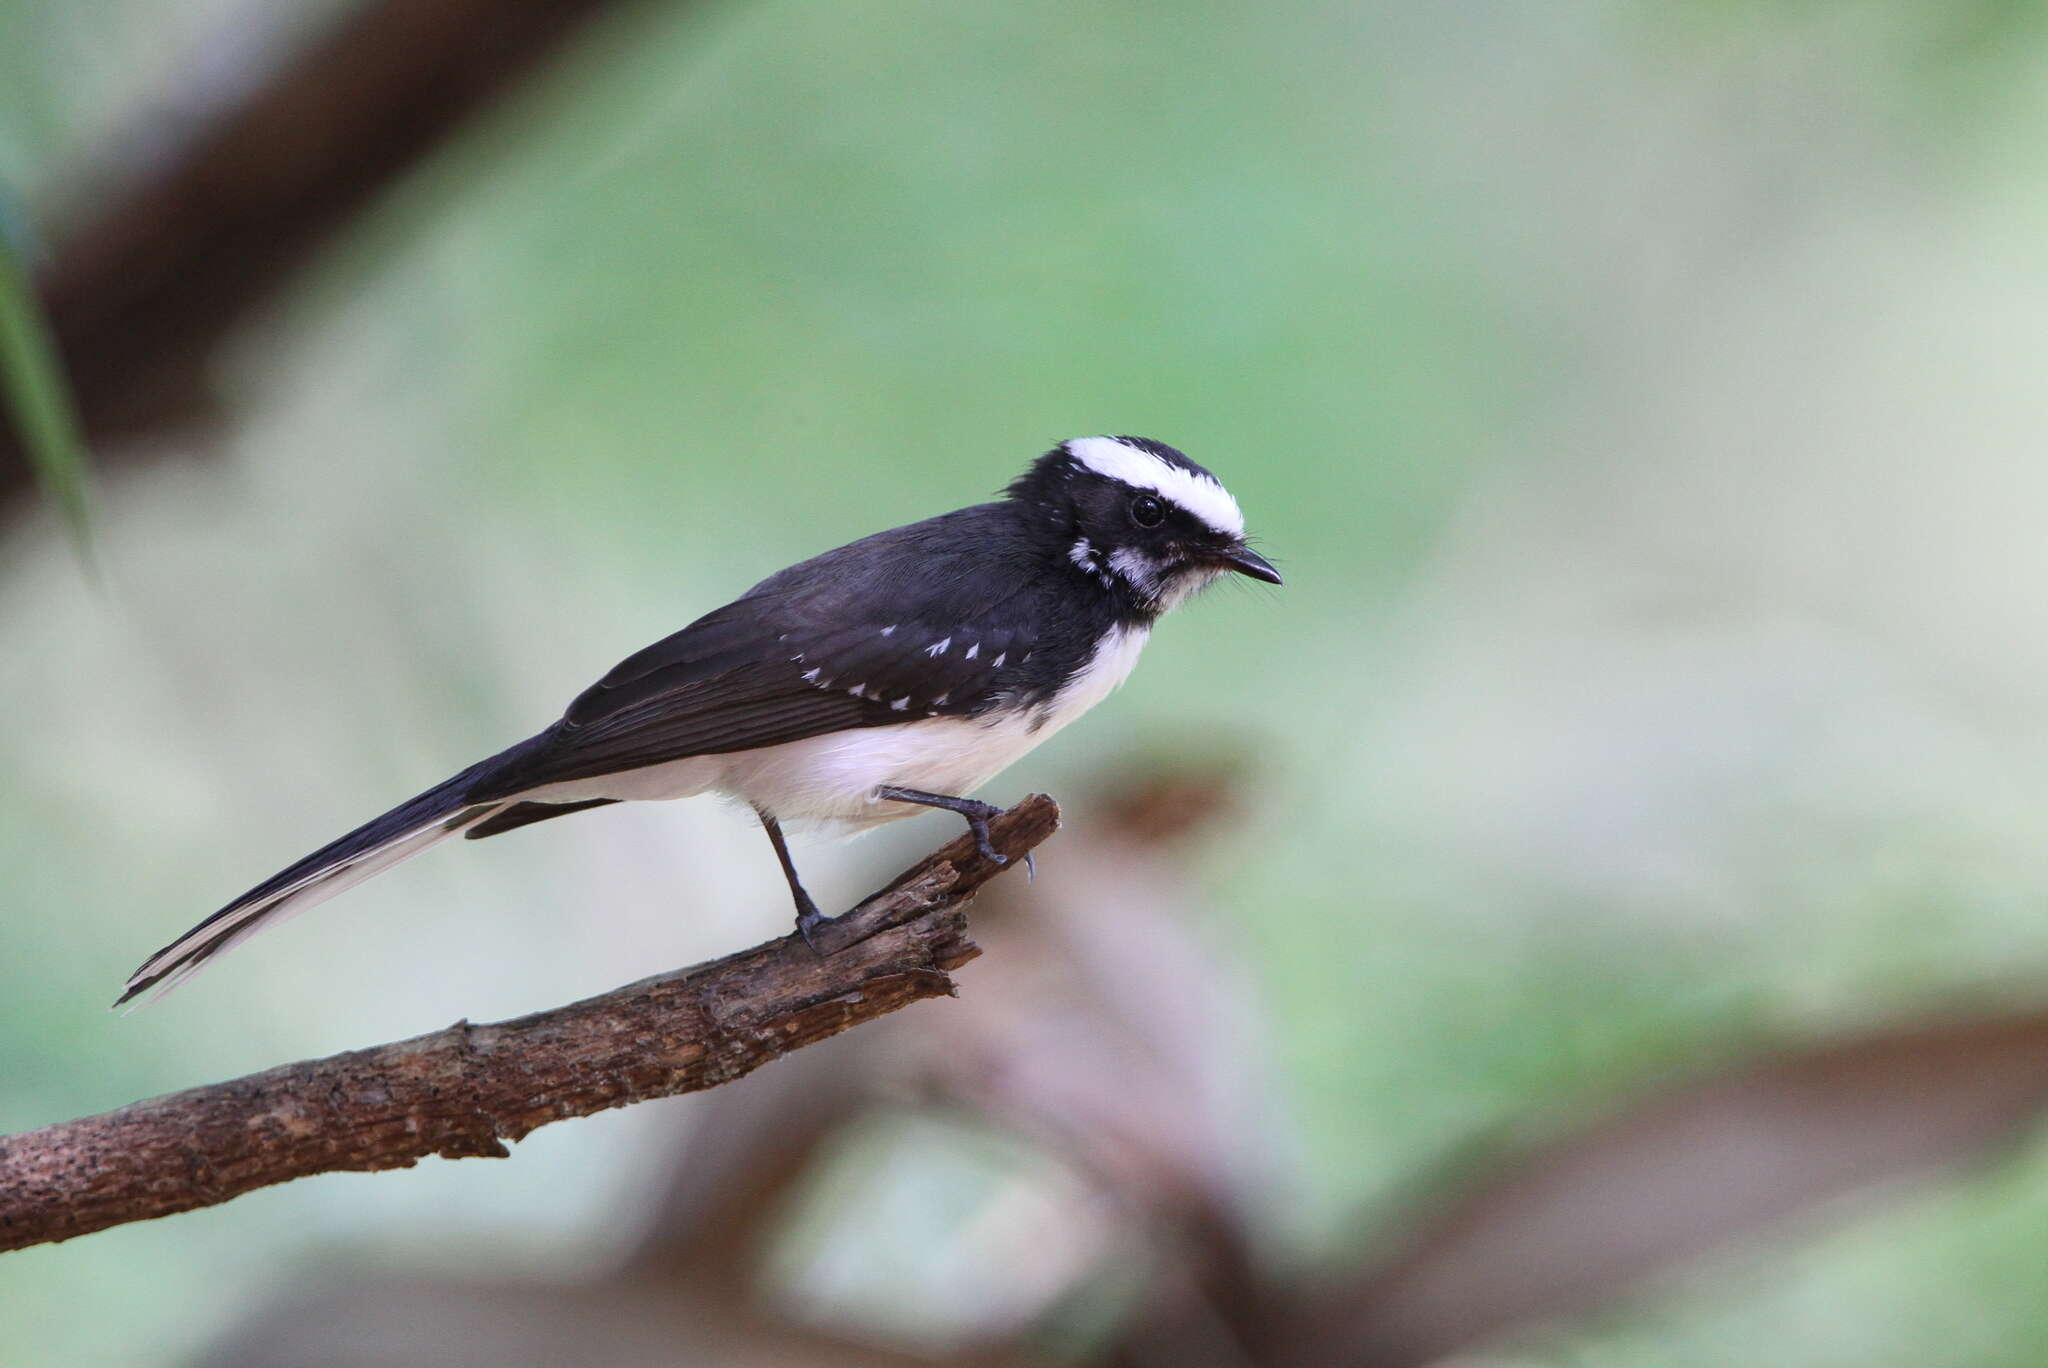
x=895, y=674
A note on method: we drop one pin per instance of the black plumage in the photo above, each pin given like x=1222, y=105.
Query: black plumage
x=983, y=613
x=843, y=640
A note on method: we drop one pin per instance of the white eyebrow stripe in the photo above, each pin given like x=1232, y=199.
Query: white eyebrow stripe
x=1198, y=494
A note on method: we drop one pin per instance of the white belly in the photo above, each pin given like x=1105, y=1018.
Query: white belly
x=833, y=778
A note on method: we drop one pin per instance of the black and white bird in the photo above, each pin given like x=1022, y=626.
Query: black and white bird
x=898, y=673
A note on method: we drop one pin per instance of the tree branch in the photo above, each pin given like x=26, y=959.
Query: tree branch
x=464, y=1091
x=200, y=222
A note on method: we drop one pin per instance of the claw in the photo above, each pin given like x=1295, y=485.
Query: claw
x=979, y=826
x=1030, y=867
x=808, y=922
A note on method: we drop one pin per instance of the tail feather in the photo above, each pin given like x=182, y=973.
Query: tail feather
x=516, y=815
x=370, y=849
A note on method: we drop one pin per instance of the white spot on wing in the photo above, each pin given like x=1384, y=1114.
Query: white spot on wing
x=973, y=651
x=938, y=648
x=811, y=675
x=1198, y=494
x=900, y=704
x=890, y=630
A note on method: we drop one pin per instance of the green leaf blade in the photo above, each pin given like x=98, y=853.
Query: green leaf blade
x=39, y=401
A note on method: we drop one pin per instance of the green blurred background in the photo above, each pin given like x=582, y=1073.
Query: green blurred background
x=1643, y=400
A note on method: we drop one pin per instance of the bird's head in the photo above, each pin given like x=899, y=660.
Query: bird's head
x=1137, y=515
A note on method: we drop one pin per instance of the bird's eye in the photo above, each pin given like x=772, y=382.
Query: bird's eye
x=1147, y=511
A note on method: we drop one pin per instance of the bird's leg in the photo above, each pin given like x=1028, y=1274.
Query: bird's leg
x=808, y=917
x=976, y=812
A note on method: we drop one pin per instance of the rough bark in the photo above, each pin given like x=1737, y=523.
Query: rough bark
x=465, y=1091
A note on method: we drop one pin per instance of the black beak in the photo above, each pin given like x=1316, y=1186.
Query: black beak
x=1246, y=561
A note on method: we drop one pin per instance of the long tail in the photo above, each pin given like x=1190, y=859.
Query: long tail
x=370, y=849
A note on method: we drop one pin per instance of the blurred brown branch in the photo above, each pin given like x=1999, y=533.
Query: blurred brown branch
x=464, y=1091
x=1567, y=1227
x=181, y=247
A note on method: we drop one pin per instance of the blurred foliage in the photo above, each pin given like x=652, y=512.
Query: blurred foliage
x=1650, y=442
x=38, y=401
x=1950, y=68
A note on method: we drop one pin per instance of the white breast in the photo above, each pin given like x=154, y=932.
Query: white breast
x=1102, y=676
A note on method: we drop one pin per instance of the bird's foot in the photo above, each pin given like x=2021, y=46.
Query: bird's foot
x=977, y=822
x=974, y=810
x=808, y=920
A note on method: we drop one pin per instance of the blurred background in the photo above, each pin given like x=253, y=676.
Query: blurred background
x=1596, y=914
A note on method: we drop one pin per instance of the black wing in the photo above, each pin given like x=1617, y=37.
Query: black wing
x=887, y=630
